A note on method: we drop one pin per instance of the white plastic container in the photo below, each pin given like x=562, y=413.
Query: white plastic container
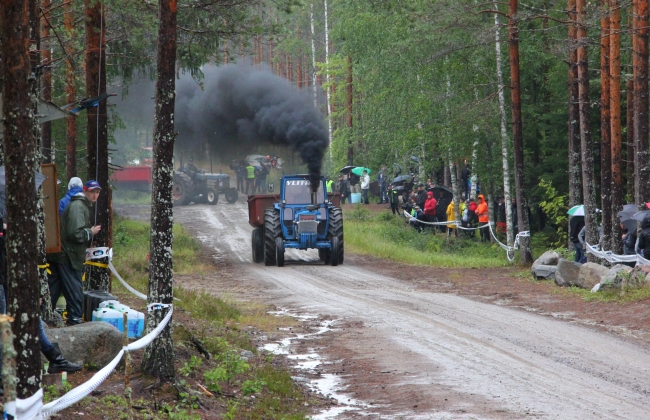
x=135, y=323
x=108, y=303
x=113, y=317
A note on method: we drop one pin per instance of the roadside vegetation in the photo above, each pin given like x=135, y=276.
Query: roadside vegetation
x=386, y=236
x=220, y=373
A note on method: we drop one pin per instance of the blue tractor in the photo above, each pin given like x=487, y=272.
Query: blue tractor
x=298, y=218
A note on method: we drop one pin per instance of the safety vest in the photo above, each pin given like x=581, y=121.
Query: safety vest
x=251, y=172
x=329, y=185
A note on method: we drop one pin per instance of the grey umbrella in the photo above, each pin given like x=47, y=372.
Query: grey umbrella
x=630, y=224
x=641, y=215
x=628, y=212
x=38, y=178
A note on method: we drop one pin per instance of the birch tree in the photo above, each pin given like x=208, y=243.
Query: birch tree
x=158, y=359
x=504, y=133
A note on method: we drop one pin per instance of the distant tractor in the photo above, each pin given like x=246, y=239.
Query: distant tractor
x=296, y=218
x=193, y=184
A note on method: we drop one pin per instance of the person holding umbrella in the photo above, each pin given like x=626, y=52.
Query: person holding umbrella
x=644, y=237
x=365, y=186
x=576, y=223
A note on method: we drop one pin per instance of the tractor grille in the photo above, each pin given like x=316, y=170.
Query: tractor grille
x=307, y=226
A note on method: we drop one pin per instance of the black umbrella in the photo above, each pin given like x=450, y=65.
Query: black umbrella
x=347, y=169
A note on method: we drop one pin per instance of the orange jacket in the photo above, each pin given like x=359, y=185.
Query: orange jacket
x=482, y=210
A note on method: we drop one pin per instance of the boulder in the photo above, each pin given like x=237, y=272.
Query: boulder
x=567, y=273
x=639, y=277
x=92, y=344
x=544, y=272
x=615, y=276
x=590, y=275
x=547, y=258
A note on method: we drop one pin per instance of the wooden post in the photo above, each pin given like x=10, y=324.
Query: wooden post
x=127, y=369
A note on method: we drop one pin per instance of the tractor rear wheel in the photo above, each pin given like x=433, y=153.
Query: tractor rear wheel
x=335, y=230
x=257, y=245
x=211, y=196
x=335, y=251
x=272, y=230
x=182, y=189
x=279, y=252
x=231, y=195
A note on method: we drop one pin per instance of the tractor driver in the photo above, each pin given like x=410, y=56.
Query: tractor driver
x=190, y=167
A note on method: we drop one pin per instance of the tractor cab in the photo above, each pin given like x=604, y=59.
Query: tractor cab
x=303, y=213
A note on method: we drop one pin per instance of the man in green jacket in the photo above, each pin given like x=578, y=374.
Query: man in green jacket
x=250, y=179
x=67, y=266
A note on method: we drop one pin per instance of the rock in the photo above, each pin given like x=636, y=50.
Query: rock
x=590, y=275
x=638, y=277
x=567, y=273
x=56, y=321
x=92, y=344
x=615, y=276
x=547, y=258
x=544, y=272
x=246, y=354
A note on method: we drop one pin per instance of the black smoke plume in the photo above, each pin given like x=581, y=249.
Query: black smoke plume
x=236, y=108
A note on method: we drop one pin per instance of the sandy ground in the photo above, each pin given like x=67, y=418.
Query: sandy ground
x=425, y=343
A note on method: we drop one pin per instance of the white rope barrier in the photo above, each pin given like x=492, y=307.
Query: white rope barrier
x=510, y=250
x=87, y=387
x=610, y=257
x=27, y=409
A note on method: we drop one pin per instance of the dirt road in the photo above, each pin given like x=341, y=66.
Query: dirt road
x=400, y=352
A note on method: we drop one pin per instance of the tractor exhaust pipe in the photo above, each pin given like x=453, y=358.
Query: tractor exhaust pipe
x=314, y=197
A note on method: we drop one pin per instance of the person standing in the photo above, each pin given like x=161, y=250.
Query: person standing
x=465, y=176
x=393, y=199
x=365, y=186
x=451, y=216
x=501, y=216
x=329, y=184
x=430, y=210
x=421, y=195
x=240, y=171
x=67, y=267
x=644, y=238
x=483, y=218
x=344, y=188
x=75, y=186
x=250, y=179
x=261, y=179
x=381, y=180
x=575, y=226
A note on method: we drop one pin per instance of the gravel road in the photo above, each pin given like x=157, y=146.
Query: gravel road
x=455, y=357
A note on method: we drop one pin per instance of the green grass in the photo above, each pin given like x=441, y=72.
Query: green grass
x=386, y=236
x=216, y=324
x=131, y=197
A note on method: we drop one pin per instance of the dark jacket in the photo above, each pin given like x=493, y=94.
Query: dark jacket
x=644, y=237
x=501, y=211
x=344, y=186
x=422, y=198
x=76, y=235
x=576, y=223
x=393, y=196
x=629, y=241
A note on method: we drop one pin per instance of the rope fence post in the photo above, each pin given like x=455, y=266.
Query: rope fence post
x=8, y=366
x=127, y=369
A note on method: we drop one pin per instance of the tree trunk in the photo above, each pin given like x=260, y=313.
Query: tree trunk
x=504, y=133
x=606, y=130
x=588, y=188
x=313, y=56
x=46, y=128
x=641, y=170
x=629, y=138
x=35, y=62
x=575, y=194
x=19, y=149
x=615, y=104
x=327, y=78
x=517, y=135
x=70, y=91
x=97, y=134
x=349, y=113
x=159, y=356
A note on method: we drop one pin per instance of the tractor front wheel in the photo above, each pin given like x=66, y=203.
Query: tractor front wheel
x=279, y=252
x=211, y=196
x=231, y=195
x=335, y=251
x=257, y=245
